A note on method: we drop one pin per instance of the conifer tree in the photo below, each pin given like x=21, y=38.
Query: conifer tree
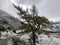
x=33, y=23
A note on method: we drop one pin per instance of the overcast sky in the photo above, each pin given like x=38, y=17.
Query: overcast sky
x=47, y=8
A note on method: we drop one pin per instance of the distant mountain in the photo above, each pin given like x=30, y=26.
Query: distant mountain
x=7, y=21
x=57, y=26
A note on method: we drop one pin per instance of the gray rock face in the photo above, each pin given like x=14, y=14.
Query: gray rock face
x=7, y=21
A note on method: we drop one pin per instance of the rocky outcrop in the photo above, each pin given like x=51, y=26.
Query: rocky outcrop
x=8, y=22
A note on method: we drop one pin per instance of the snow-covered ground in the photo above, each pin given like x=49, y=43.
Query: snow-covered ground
x=5, y=35
x=42, y=39
x=45, y=40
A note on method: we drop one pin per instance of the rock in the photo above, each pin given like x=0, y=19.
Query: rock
x=8, y=22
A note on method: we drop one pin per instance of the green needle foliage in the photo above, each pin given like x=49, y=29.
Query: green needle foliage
x=18, y=41
x=33, y=23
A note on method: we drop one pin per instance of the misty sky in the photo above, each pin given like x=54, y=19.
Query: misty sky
x=47, y=8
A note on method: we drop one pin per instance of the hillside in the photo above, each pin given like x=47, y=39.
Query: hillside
x=7, y=21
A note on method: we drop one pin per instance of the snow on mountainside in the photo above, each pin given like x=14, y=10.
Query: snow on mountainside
x=6, y=20
x=42, y=39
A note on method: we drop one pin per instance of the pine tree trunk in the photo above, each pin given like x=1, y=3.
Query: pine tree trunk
x=34, y=40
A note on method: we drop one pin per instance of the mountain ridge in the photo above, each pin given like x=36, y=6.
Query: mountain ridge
x=7, y=20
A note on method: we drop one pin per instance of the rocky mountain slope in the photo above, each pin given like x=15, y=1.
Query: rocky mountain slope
x=7, y=21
